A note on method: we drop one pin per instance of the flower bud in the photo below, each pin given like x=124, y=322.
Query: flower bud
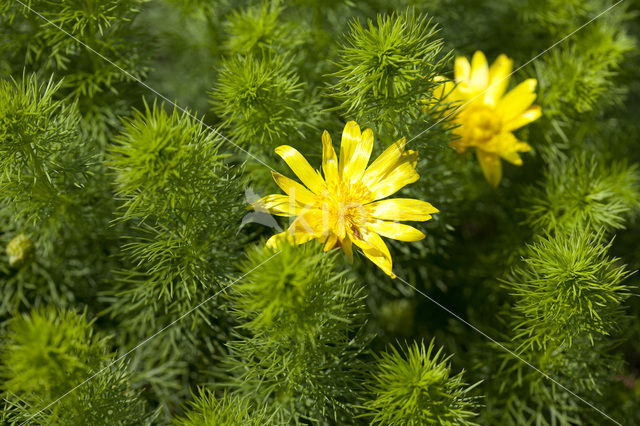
x=20, y=250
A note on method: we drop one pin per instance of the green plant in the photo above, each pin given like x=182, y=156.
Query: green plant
x=135, y=285
x=387, y=68
x=416, y=387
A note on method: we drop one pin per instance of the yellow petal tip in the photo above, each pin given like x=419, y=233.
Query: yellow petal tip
x=532, y=83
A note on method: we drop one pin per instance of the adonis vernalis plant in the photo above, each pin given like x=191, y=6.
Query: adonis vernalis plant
x=342, y=208
x=486, y=116
x=131, y=284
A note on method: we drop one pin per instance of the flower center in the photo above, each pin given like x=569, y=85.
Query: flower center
x=480, y=124
x=344, y=210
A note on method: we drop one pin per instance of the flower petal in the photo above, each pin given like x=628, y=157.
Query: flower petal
x=374, y=248
x=400, y=175
x=280, y=205
x=300, y=166
x=491, y=167
x=479, y=72
x=507, y=146
x=350, y=140
x=347, y=247
x=498, y=79
x=276, y=241
x=401, y=209
x=329, y=159
x=310, y=221
x=395, y=230
x=513, y=155
x=447, y=94
x=303, y=229
x=331, y=241
x=294, y=189
x=360, y=158
x=384, y=162
x=532, y=114
x=462, y=69
x=444, y=87
x=518, y=100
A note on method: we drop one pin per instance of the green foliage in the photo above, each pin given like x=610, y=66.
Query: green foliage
x=169, y=174
x=49, y=352
x=586, y=81
x=259, y=98
x=206, y=410
x=520, y=394
x=557, y=16
x=165, y=164
x=583, y=193
x=191, y=44
x=53, y=192
x=582, y=80
x=41, y=152
x=387, y=68
x=129, y=212
x=181, y=203
x=568, y=300
x=106, y=27
x=259, y=93
x=397, y=316
x=416, y=387
x=301, y=357
x=285, y=301
x=567, y=288
x=258, y=29
x=106, y=400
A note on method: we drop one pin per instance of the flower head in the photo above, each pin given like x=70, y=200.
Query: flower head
x=344, y=204
x=487, y=116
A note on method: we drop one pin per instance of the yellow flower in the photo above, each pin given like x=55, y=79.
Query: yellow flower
x=342, y=208
x=487, y=116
